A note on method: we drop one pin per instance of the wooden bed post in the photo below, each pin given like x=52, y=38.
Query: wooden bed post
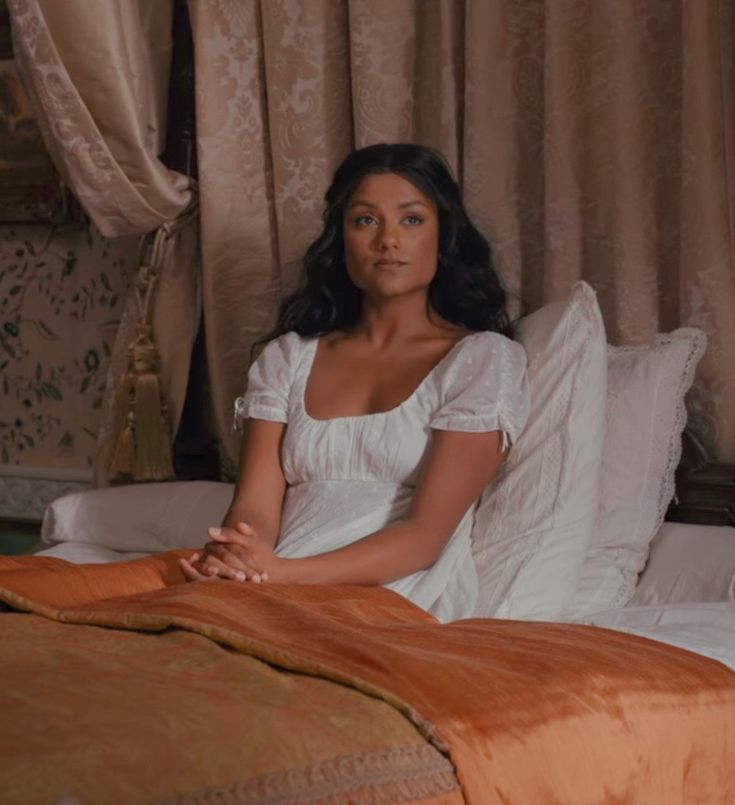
x=705, y=489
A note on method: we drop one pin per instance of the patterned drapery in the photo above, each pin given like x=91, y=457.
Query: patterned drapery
x=98, y=76
x=593, y=141
x=99, y=82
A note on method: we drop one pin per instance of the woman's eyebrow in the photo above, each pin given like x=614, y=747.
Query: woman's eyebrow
x=401, y=206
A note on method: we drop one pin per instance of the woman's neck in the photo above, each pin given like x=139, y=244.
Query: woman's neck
x=396, y=320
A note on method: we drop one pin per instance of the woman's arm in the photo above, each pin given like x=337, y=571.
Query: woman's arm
x=458, y=467
x=260, y=486
x=256, y=506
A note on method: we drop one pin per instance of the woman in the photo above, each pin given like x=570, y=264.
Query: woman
x=385, y=401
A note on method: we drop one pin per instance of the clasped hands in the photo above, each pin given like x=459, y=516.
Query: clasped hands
x=238, y=554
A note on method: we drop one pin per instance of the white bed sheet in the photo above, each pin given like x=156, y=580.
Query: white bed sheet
x=706, y=628
x=688, y=562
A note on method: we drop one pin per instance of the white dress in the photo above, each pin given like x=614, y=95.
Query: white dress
x=351, y=476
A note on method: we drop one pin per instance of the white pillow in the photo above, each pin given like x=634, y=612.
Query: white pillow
x=688, y=563
x=139, y=517
x=532, y=523
x=645, y=418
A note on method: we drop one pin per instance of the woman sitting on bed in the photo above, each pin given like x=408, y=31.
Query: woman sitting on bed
x=385, y=401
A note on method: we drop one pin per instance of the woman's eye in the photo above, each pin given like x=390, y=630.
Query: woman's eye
x=413, y=220
x=364, y=220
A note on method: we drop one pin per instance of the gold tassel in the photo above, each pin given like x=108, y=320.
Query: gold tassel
x=122, y=450
x=142, y=451
x=123, y=456
x=141, y=443
x=152, y=440
x=152, y=437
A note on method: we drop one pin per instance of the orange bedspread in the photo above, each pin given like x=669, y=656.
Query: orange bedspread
x=528, y=712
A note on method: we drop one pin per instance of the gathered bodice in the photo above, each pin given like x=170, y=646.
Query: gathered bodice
x=351, y=476
x=478, y=385
x=384, y=446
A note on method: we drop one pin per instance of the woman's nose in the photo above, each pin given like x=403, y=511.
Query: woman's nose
x=388, y=237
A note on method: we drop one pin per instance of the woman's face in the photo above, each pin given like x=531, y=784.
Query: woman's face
x=391, y=236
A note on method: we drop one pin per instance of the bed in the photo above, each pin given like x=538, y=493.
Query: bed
x=605, y=677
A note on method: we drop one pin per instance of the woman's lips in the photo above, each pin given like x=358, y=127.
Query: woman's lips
x=390, y=263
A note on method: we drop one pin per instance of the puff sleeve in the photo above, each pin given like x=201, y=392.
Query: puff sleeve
x=269, y=382
x=483, y=387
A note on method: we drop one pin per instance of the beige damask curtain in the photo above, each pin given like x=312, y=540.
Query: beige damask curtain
x=593, y=140
x=98, y=75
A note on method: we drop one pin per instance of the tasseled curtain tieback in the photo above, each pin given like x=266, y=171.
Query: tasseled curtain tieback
x=141, y=443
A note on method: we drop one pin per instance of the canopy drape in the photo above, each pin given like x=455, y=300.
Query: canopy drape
x=592, y=140
x=98, y=74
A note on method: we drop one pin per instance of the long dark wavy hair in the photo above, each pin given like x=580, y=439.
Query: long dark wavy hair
x=466, y=289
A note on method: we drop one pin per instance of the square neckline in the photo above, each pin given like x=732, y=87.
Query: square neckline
x=314, y=345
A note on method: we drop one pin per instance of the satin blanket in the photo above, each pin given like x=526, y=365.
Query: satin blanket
x=525, y=712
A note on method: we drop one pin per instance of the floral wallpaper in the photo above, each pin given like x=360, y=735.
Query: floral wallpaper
x=61, y=298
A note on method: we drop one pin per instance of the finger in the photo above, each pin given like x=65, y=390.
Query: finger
x=234, y=556
x=190, y=572
x=248, y=575
x=215, y=549
x=243, y=572
x=230, y=535
x=223, y=550
x=242, y=576
x=223, y=532
x=215, y=567
x=198, y=563
x=233, y=549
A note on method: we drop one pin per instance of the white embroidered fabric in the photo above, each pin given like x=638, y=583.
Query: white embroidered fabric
x=532, y=524
x=645, y=417
x=350, y=476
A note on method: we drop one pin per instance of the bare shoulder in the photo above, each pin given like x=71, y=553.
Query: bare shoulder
x=445, y=335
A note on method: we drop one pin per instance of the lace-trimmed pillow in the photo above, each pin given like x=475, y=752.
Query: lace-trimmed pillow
x=645, y=418
x=532, y=524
